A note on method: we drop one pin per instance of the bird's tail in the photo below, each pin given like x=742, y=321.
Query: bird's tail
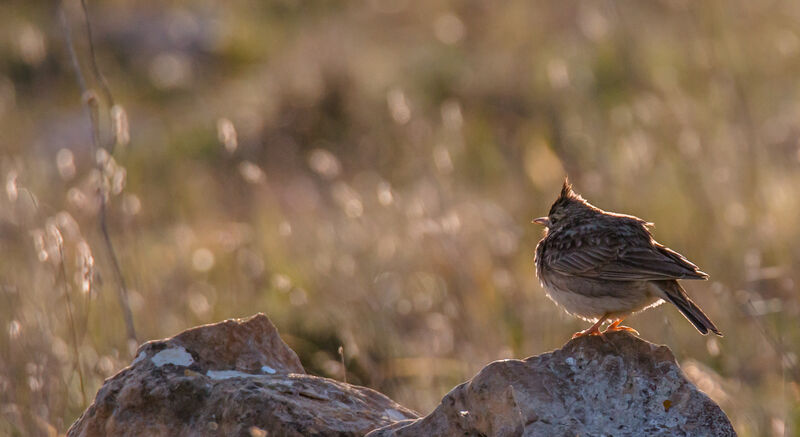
x=674, y=293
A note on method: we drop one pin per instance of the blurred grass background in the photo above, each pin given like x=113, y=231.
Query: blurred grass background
x=365, y=174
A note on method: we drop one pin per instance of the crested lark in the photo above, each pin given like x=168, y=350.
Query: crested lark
x=602, y=266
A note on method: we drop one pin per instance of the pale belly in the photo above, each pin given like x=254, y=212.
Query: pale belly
x=591, y=299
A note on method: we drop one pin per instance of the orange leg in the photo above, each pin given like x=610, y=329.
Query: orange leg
x=616, y=327
x=594, y=330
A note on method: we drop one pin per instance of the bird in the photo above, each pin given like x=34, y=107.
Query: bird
x=602, y=266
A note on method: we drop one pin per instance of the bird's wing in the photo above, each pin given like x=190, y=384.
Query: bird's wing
x=621, y=261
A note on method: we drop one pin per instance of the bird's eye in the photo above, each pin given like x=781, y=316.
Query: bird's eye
x=553, y=220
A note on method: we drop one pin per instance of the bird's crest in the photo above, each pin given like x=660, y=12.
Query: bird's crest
x=566, y=190
x=567, y=196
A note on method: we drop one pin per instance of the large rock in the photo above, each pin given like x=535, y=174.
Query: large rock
x=620, y=386
x=238, y=378
x=234, y=378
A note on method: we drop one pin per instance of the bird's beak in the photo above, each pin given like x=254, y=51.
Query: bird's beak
x=542, y=221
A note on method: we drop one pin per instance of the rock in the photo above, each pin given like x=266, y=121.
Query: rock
x=238, y=378
x=620, y=387
x=233, y=378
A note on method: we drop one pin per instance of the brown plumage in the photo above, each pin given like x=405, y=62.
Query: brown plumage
x=602, y=266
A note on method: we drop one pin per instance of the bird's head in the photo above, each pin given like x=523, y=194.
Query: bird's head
x=569, y=206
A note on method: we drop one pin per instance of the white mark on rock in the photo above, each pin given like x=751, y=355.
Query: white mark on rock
x=139, y=357
x=177, y=356
x=267, y=369
x=394, y=414
x=570, y=361
x=463, y=413
x=225, y=374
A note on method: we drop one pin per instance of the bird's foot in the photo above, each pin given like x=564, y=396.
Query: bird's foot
x=594, y=330
x=622, y=328
x=615, y=327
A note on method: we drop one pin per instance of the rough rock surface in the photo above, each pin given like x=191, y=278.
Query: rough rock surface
x=238, y=378
x=621, y=387
x=233, y=378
